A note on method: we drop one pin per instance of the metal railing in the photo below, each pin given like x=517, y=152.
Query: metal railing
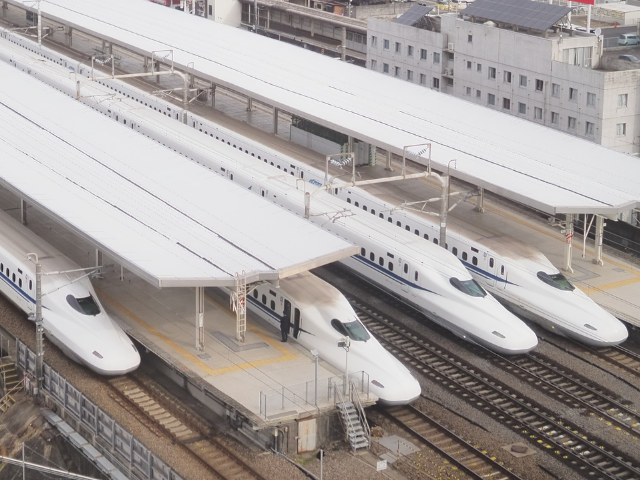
x=111, y=438
x=355, y=399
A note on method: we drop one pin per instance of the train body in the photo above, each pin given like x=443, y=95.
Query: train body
x=409, y=267
x=73, y=318
x=320, y=317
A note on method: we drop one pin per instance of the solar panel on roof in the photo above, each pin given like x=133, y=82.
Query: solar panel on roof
x=413, y=15
x=521, y=13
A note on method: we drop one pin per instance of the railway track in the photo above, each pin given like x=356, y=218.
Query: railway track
x=455, y=450
x=621, y=357
x=165, y=415
x=590, y=457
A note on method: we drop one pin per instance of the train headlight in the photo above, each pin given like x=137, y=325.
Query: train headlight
x=97, y=354
x=498, y=334
x=377, y=383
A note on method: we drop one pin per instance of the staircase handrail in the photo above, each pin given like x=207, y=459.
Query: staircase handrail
x=355, y=397
x=16, y=388
x=340, y=403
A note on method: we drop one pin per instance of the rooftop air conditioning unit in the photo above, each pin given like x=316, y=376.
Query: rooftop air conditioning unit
x=450, y=47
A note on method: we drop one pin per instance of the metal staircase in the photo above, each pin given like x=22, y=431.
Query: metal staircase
x=11, y=384
x=352, y=418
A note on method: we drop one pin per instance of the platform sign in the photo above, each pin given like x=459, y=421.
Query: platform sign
x=382, y=465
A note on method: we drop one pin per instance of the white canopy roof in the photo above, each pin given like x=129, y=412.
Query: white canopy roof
x=156, y=212
x=533, y=164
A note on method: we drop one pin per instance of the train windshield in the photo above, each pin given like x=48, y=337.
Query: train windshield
x=85, y=306
x=557, y=280
x=469, y=287
x=354, y=330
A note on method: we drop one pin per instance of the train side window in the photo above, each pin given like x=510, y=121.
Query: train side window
x=301, y=174
x=435, y=240
x=464, y=256
x=446, y=246
x=363, y=252
x=501, y=269
x=372, y=257
x=417, y=232
x=474, y=260
x=407, y=228
x=426, y=237
x=381, y=215
x=273, y=305
x=8, y=272
x=373, y=212
x=1, y=267
x=348, y=200
x=364, y=207
x=399, y=224
x=455, y=251
x=30, y=285
x=390, y=267
x=381, y=261
x=255, y=293
x=264, y=299
x=406, y=268
x=14, y=278
x=357, y=204
x=390, y=220
x=491, y=262
x=20, y=282
x=416, y=275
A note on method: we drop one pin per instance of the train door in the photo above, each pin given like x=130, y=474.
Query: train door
x=230, y=175
x=502, y=275
x=491, y=270
x=404, y=273
x=286, y=315
x=296, y=322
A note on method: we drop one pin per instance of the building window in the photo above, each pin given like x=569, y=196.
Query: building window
x=580, y=56
x=522, y=108
x=436, y=57
x=385, y=67
x=478, y=94
x=621, y=129
x=507, y=76
x=468, y=65
x=491, y=99
x=506, y=103
x=374, y=65
x=386, y=44
x=423, y=54
x=410, y=75
x=479, y=67
x=539, y=85
x=398, y=47
x=588, y=129
x=423, y=79
x=468, y=91
x=555, y=117
x=450, y=56
x=436, y=82
x=374, y=41
x=492, y=73
x=573, y=94
x=470, y=38
x=571, y=124
x=537, y=113
x=591, y=99
x=397, y=71
x=555, y=90
x=622, y=100
x=523, y=81
x=409, y=50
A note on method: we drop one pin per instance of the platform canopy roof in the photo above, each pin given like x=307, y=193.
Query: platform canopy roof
x=159, y=214
x=520, y=13
x=518, y=159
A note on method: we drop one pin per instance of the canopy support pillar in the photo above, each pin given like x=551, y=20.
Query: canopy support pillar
x=568, y=246
x=388, y=167
x=98, y=273
x=480, y=200
x=275, y=120
x=239, y=305
x=200, y=318
x=249, y=104
x=23, y=211
x=598, y=241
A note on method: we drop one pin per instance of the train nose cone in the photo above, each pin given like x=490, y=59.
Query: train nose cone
x=519, y=341
x=611, y=332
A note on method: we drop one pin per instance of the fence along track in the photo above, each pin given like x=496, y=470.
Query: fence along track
x=573, y=390
x=454, y=449
x=222, y=462
x=591, y=457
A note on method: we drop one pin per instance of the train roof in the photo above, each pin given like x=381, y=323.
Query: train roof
x=152, y=210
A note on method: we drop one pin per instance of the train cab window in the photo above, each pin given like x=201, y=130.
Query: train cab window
x=454, y=250
x=399, y=224
x=264, y=299
x=272, y=305
x=426, y=237
x=85, y=306
x=491, y=263
x=354, y=330
x=381, y=261
x=435, y=240
x=474, y=260
x=348, y=200
x=363, y=252
x=364, y=207
x=372, y=257
x=557, y=280
x=390, y=267
x=357, y=204
x=464, y=256
x=468, y=287
x=406, y=268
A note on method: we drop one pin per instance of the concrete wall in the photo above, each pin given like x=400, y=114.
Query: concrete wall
x=389, y=10
x=226, y=11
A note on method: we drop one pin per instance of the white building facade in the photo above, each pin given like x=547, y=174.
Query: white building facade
x=555, y=80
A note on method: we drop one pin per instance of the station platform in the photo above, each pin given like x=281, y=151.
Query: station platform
x=267, y=381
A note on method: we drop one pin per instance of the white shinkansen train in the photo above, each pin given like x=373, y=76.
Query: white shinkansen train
x=424, y=276
x=73, y=318
x=320, y=316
